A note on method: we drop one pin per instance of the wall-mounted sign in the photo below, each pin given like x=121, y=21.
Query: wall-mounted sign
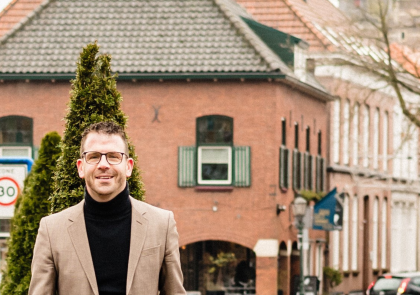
x=11, y=185
x=328, y=212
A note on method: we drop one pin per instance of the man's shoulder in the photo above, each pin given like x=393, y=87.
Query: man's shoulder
x=147, y=209
x=66, y=214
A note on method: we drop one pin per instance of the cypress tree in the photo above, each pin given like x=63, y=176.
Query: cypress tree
x=32, y=205
x=94, y=98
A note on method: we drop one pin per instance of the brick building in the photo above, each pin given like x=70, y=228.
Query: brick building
x=373, y=149
x=221, y=121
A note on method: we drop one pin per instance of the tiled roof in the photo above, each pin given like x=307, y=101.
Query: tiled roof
x=408, y=58
x=298, y=17
x=155, y=36
x=15, y=12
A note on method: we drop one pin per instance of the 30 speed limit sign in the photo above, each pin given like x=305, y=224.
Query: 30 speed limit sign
x=9, y=191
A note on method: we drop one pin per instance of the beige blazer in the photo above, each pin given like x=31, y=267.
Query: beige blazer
x=62, y=261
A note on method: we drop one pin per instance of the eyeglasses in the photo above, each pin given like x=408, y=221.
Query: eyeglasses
x=113, y=158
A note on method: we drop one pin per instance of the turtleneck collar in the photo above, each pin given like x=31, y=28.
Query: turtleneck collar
x=117, y=207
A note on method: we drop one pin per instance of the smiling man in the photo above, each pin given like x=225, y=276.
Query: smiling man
x=109, y=243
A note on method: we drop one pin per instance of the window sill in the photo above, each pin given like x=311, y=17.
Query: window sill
x=210, y=188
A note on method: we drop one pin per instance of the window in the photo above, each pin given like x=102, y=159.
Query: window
x=296, y=136
x=366, y=136
x=319, y=143
x=375, y=232
x=15, y=130
x=346, y=233
x=385, y=129
x=376, y=139
x=346, y=132
x=214, y=147
x=284, y=158
x=384, y=233
x=354, y=233
x=283, y=131
x=356, y=134
x=336, y=131
x=214, y=160
x=308, y=139
x=16, y=136
x=336, y=249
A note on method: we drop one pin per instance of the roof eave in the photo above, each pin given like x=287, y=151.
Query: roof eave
x=152, y=76
x=308, y=89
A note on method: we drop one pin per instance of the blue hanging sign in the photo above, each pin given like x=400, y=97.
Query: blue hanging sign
x=328, y=212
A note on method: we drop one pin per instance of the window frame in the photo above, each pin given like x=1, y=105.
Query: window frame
x=19, y=144
x=201, y=146
x=200, y=181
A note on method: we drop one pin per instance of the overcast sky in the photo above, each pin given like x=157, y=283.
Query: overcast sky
x=3, y=3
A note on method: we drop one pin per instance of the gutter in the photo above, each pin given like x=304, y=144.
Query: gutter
x=278, y=77
x=151, y=76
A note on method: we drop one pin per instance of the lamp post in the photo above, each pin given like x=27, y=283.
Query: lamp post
x=299, y=210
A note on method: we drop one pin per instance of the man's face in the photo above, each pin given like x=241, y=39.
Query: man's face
x=104, y=181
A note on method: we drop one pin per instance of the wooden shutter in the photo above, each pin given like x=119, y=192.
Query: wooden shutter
x=242, y=166
x=297, y=169
x=284, y=168
x=320, y=174
x=186, y=166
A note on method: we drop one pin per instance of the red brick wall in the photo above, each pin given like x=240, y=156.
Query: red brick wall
x=243, y=215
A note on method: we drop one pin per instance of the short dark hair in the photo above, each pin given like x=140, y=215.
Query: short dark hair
x=109, y=128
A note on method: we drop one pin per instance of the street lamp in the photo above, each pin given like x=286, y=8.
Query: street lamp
x=299, y=210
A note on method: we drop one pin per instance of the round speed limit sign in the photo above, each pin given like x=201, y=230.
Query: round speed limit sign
x=9, y=191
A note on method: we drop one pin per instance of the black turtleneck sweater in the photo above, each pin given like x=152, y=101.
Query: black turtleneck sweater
x=108, y=227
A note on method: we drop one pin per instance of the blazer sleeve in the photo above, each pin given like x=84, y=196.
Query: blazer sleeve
x=171, y=279
x=44, y=275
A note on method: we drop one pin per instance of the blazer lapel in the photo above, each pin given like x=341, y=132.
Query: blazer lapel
x=138, y=236
x=78, y=235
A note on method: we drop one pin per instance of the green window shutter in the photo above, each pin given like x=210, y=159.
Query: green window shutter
x=320, y=174
x=311, y=173
x=242, y=166
x=186, y=166
x=297, y=170
x=284, y=168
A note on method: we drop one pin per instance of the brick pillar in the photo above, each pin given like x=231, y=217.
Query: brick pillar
x=266, y=266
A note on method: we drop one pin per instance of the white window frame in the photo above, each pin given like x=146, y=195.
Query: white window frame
x=376, y=139
x=385, y=130
x=354, y=233
x=366, y=135
x=384, y=233
x=346, y=233
x=346, y=132
x=336, y=249
x=199, y=162
x=336, y=131
x=375, y=233
x=356, y=134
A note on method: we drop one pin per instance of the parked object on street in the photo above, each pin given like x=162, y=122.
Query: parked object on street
x=396, y=283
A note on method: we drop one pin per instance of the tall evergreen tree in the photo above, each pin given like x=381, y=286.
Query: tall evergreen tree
x=94, y=98
x=33, y=204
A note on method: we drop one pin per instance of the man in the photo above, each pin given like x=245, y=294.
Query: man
x=109, y=243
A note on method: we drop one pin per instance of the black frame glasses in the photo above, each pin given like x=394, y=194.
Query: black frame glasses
x=111, y=157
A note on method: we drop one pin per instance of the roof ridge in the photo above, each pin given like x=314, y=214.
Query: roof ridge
x=26, y=19
x=307, y=23
x=274, y=62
